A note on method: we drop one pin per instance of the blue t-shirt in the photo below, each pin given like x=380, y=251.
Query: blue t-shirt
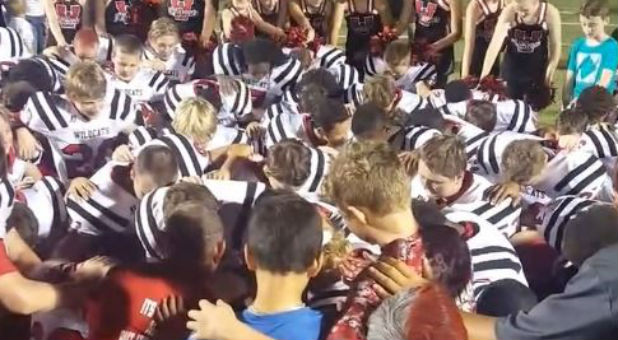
x=588, y=62
x=299, y=324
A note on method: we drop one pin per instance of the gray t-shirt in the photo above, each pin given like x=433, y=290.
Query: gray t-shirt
x=587, y=309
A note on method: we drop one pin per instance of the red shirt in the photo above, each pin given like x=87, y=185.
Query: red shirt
x=124, y=306
x=6, y=266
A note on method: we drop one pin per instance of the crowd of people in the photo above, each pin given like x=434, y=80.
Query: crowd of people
x=189, y=169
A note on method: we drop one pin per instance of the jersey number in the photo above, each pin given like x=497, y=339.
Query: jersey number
x=81, y=160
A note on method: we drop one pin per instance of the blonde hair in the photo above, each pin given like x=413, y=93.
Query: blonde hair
x=522, y=160
x=16, y=7
x=85, y=80
x=196, y=118
x=162, y=27
x=380, y=90
x=397, y=51
x=369, y=175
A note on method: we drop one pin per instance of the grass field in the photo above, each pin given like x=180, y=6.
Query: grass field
x=570, y=31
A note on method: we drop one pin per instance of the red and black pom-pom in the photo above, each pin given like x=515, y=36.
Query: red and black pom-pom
x=378, y=42
x=494, y=87
x=243, y=29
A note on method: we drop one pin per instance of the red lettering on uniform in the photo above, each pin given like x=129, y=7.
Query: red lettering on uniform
x=68, y=19
x=426, y=12
x=181, y=10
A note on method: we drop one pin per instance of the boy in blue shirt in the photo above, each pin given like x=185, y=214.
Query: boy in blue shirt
x=283, y=248
x=592, y=59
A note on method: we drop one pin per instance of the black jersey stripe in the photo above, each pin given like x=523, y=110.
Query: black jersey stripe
x=319, y=172
x=243, y=216
x=576, y=172
x=55, y=111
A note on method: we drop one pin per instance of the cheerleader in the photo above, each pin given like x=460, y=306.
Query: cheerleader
x=189, y=16
x=65, y=18
x=272, y=11
x=481, y=19
x=532, y=33
x=312, y=15
x=244, y=9
x=125, y=17
x=438, y=23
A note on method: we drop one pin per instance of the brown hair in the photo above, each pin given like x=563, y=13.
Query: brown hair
x=85, y=81
x=182, y=192
x=571, y=121
x=594, y=8
x=482, y=113
x=129, y=44
x=289, y=162
x=522, y=160
x=445, y=155
x=368, y=174
x=380, y=90
x=597, y=103
x=159, y=162
x=397, y=51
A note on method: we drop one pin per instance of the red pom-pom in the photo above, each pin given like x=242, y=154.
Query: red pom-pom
x=295, y=37
x=378, y=42
x=471, y=81
x=243, y=29
x=493, y=87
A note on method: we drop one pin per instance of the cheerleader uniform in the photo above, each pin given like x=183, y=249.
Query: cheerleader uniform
x=188, y=15
x=433, y=22
x=526, y=56
x=317, y=18
x=129, y=17
x=484, y=32
x=361, y=26
x=270, y=17
x=70, y=16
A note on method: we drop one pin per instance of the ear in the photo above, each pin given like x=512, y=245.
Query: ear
x=356, y=213
x=249, y=259
x=319, y=132
x=132, y=173
x=316, y=266
x=219, y=252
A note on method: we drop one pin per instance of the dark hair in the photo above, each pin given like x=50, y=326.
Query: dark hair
x=504, y=297
x=368, y=120
x=285, y=233
x=328, y=112
x=428, y=117
x=33, y=72
x=448, y=257
x=3, y=166
x=482, y=114
x=128, y=43
x=160, y=162
x=594, y=8
x=596, y=102
x=15, y=95
x=320, y=78
x=571, y=121
x=457, y=91
x=24, y=222
x=289, y=161
x=260, y=50
x=591, y=230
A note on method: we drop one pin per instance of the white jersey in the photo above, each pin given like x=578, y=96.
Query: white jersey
x=411, y=138
x=13, y=47
x=602, y=142
x=328, y=56
x=511, y=115
x=472, y=198
x=46, y=199
x=62, y=62
x=471, y=134
x=180, y=65
x=285, y=126
x=147, y=85
x=190, y=161
x=233, y=107
x=7, y=197
x=493, y=256
x=84, y=143
x=416, y=73
x=285, y=106
x=345, y=75
x=552, y=218
x=111, y=207
x=404, y=100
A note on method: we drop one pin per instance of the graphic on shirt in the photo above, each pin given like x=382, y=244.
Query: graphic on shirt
x=361, y=24
x=68, y=16
x=426, y=12
x=525, y=41
x=182, y=10
x=122, y=12
x=588, y=66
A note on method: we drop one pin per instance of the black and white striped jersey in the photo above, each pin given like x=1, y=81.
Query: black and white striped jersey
x=553, y=217
x=471, y=134
x=13, y=47
x=7, y=197
x=147, y=85
x=111, y=207
x=190, y=161
x=601, y=141
x=233, y=107
x=83, y=143
x=404, y=100
x=345, y=75
x=53, y=74
x=320, y=164
x=61, y=62
x=180, y=65
x=420, y=72
x=472, y=198
x=354, y=95
x=284, y=106
x=411, y=138
x=284, y=126
x=516, y=116
x=46, y=199
x=493, y=256
x=328, y=56
x=236, y=199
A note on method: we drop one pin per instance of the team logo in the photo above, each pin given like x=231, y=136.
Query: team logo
x=361, y=24
x=526, y=42
x=68, y=16
x=122, y=12
x=426, y=13
x=182, y=10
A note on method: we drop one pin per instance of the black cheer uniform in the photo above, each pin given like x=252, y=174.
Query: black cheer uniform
x=316, y=16
x=433, y=22
x=188, y=15
x=270, y=17
x=361, y=26
x=70, y=16
x=484, y=32
x=129, y=17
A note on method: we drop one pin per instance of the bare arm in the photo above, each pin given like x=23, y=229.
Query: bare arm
x=555, y=38
x=52, y=20
x=567, y=89
x=210, y=20
x=335, y=23
x=385, y=12
x=606, y=77
x=264, y=26
x=32, y=171
x=283, y=13
x=472, y=12
x=226, y=22
x=479, y=327
x=404, y=17
x=99, y=16
x=299, y=17
x=502, y=29
x=455, y=34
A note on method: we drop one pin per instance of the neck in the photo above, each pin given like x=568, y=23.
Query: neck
x=400, y=224
x=597, y=39
x=278, y=292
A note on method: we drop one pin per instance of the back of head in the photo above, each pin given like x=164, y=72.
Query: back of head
x=260, y=50
x=159, y=163
x=193, y=232
x=505, y=297
x=369, y=121
x=33, y=72
x=289, y=162
x=183, y=192
x=319, y=78
x=128, y=44
x=482, y=113
x=448, y=256
x=594, y=8
x=368, y=174
x=284, y=233
x=397, y=51
x=591, y=230
x=428, y=117
x=196, y=118
x=457, y=91
x=86, y=38
x=445, y=155
x=522, y=160
x=380, y=90
x=328, y=112
x=22, y=219
x=596, y=103
x=571, y=121
x=85, y=81
x=15, y=95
